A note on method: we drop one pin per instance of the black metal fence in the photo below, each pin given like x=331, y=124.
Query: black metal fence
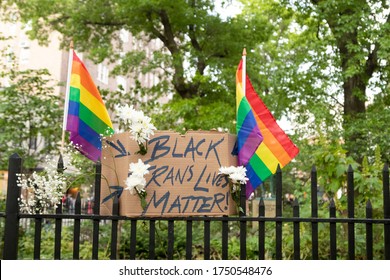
x=12, y=224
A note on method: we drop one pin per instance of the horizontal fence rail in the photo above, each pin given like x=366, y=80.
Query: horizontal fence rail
x=209, y=247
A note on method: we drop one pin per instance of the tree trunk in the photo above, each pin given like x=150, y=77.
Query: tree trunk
x=354, y=111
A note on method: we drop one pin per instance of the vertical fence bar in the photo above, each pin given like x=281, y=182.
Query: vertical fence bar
x=225, y=237
x=114, y=229
x=37, y=238
x=58, y=220
x=261, y=230
x=351, y=213
x=386, y=209
x=242, y=222
x=133, y=239
x=314, y=213
x=11, y=227
x=171, y=238
x=152, y=239
x=278, y=186
x=206, y=239
x=96, y=211
x=76, y=230
x=189, y=240
x=297, y=244
x=332, y=225
x=369, y=235
x=58, y=232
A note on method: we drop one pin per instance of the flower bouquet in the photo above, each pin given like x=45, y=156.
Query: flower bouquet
x=237, y=177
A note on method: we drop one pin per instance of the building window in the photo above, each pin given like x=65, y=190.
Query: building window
x=124, y=35
x=121, y=83
x=33, y=143
x=24, y=55
x=9, y=58
x=121, y=56
x=102, y=73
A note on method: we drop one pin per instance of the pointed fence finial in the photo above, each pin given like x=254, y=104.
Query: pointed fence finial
x=60, y=164
x=244, y=52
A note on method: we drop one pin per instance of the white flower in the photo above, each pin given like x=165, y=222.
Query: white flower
x=238, y=178
x=136, y=182
x=137, y=116
x=41, y=191
x=236, y=174
x=227, y=170
x=124, y=112
x=133, y=182
x=142, y=129
x=139, y=169
x=136, y=130
x=140, y=126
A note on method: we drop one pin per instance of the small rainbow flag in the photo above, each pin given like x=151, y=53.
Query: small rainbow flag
x=86, y=117
x=276, y=147
x=248, y=132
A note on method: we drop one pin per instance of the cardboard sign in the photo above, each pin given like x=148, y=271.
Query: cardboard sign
x=183, y=177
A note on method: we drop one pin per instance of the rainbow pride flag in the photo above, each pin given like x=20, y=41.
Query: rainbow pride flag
x=276, y=147
x=248, y=132
x=87, y=118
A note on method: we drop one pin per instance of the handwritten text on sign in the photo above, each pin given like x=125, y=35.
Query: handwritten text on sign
x=183, y=178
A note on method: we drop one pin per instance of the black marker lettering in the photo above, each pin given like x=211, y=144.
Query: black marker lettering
x=156, y=153
x=212, y=147
x=196, y=187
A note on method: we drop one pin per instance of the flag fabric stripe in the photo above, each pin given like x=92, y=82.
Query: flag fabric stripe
x=87, y=117
x=93, y=121
x=248, y=133
x=268, y=158
x=73, y=121
x=89, y=135
x=79, y=70
x=242, y=108
x=86, y=148
x=269, y=123
x=264, y=169
x=250, y=144
x=276, y=147
x=270, y=140
x=73, y=118
x=246, y=120
x=95, y=105
x=84, y=114
x=254, y=179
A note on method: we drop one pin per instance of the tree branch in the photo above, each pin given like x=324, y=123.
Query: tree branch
x=56, y=21
x=372, y=60
x=168, y=34
x=154, y=30
x=201, y=64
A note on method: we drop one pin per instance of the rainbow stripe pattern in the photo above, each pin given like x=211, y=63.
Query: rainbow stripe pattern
x=87, y=116
x=248, y=132
x=276, y=147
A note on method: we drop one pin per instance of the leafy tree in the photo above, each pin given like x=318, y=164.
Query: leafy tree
x=315, y=62
x=28, y=110
x=199, y=53
x=326, y=62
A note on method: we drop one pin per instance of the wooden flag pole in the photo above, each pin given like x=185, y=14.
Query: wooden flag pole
x=67, y=90
x=244, y=71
